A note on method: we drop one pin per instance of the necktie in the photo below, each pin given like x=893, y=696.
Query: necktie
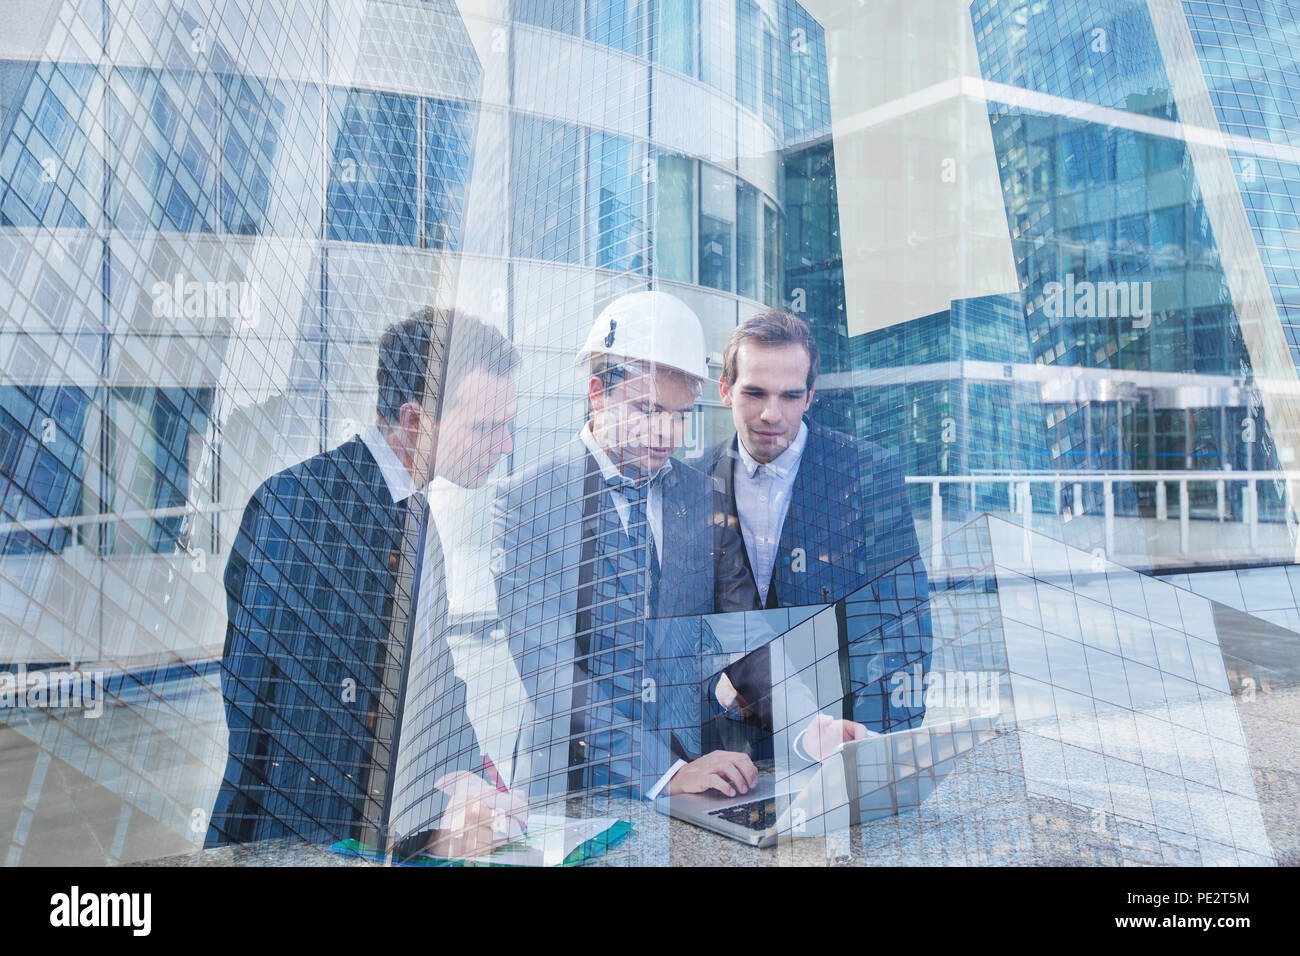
x=637, y=494
x=606, y=753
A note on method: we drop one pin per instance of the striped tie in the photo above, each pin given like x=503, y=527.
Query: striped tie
x=615, y=666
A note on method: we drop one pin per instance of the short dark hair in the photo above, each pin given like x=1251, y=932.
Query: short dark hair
x=772, y=327
x=423, y=357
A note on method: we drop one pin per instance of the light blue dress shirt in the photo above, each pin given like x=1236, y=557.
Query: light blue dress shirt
x=762, y=500
x=654, y=501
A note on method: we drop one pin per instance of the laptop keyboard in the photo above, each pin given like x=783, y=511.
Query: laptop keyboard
x=756, y=815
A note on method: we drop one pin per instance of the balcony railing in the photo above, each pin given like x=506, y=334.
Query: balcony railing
x=1020, y=496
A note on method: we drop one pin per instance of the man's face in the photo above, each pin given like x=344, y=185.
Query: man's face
x=474, y=434
x=641, y=420
x=769, y=396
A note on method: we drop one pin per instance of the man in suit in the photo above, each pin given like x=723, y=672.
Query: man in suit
x=602, y=555
x=823, y=516
x=332, y=558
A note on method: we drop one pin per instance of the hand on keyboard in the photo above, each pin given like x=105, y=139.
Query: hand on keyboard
x=726, y=771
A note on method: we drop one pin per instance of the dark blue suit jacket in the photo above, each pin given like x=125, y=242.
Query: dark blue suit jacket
x=848, y=534
x=311, y=588
x=542, y=516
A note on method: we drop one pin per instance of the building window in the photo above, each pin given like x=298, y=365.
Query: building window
x=49, y=172
x=747, y=53
x=164, y=132
x=42, y=463
x=373, y=167
x=158, y=435
x=448, y=150
x=547, y=192
x=717, y=226
x=269, y=135
x=677, y=31
x=616, y=23
x=747, y=240
x=771, y=255
x=771, y=77
x=563, y=16
x=674, y=248
x=615, y=202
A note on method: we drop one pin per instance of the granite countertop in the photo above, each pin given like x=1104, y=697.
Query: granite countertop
x=981, y=813
x=973, y=816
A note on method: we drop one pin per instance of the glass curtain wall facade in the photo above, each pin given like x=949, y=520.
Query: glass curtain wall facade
x=1047, y=253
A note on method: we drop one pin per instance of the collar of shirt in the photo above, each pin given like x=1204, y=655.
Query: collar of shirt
x=654, y=500
x=607, y=467
x=395, y=474
x=400, y=486
x=783, y=465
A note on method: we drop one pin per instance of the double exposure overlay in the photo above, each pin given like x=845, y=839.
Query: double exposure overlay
x=656, y=432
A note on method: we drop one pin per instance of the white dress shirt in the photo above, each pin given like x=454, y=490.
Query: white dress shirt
x=395, y=474
x=762, y=501
x=763, y=493
x=401, y=488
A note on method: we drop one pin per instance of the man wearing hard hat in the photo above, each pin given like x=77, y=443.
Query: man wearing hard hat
x=602, y=554
x=593, y=547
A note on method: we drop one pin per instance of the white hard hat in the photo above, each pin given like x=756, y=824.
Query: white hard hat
x=649, y=327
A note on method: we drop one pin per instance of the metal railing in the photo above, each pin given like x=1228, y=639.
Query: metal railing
x=1019, y=486
x=1020, y=489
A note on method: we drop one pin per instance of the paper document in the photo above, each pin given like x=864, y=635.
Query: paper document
x=550, y=841
x=556, y=841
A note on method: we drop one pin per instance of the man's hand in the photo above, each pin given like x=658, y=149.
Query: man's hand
x=730, y=698
x=824, y=734
x=723, y=770
x=726, y=694
x=478, y=816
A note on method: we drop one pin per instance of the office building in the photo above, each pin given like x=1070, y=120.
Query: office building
x=1048, y=251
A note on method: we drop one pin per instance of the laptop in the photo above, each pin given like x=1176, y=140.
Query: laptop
x=864, y=780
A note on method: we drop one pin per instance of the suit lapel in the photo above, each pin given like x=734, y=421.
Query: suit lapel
x=723, y=469
x=377, y=510
x=797, y=531
x=571, y=479
x=676, y=538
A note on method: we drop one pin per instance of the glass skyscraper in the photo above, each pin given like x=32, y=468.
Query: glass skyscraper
x=1049, y=253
